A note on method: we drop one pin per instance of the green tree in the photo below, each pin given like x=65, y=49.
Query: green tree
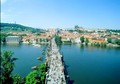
x=109, y=40
x=47, y=39
x=82, y=39
x=23, y=35
x=7, y=65
x=37, y=40
x=37, y=76
x=117, y=41
x=40, y=39
x=86, y=41
x=58, y=40
x=38, y=34
x=42, y=69
x=32, y=78
x=103, y=44
x=80, y=31
x=18, y=80
x=98, y=44
x=2, y=37
x=92, y=44
x=28, y=40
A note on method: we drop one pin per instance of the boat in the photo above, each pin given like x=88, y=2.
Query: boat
x=43, y=53
x=37, y=45
x=34, y=67
x=39, y=58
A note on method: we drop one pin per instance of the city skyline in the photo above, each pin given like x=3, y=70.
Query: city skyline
x=62, y=14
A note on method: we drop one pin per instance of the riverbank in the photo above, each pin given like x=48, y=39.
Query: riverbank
x=89, y=44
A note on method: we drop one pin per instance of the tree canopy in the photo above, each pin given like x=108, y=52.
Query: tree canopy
x=86, y=41
x=82, y=39
x=58, y=40
x=37, y=76
x=7, y=64
x=19, y=28
x=31, y=78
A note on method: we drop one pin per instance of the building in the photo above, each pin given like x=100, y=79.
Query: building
x=13, y=39
x=77, y=40
x=99, y=40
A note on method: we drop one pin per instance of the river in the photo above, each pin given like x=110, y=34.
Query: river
x=92, y=65
x=85, y=65
x=26, y=55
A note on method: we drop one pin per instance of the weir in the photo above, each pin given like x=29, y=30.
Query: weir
x=55, y=72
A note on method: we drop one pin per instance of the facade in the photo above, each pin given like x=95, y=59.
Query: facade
x=77, y=40
x=13, y=39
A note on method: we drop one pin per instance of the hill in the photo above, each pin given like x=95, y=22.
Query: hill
x=7, y=27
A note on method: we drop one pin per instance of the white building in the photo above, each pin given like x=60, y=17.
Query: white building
x=77, y=40
x=13, y=39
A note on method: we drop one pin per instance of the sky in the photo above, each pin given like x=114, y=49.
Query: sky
x=62, y=13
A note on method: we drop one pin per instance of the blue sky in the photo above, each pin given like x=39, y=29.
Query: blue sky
x=62, y=13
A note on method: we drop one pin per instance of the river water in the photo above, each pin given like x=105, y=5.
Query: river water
x=92, y=65
x=85, y=65
x=27, y=57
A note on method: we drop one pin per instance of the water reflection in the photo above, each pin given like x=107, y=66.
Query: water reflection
x=12, y=44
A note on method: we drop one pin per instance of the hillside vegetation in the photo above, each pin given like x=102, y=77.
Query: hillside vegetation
x=7, y=27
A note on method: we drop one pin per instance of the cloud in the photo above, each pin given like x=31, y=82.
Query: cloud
x=2, y=1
